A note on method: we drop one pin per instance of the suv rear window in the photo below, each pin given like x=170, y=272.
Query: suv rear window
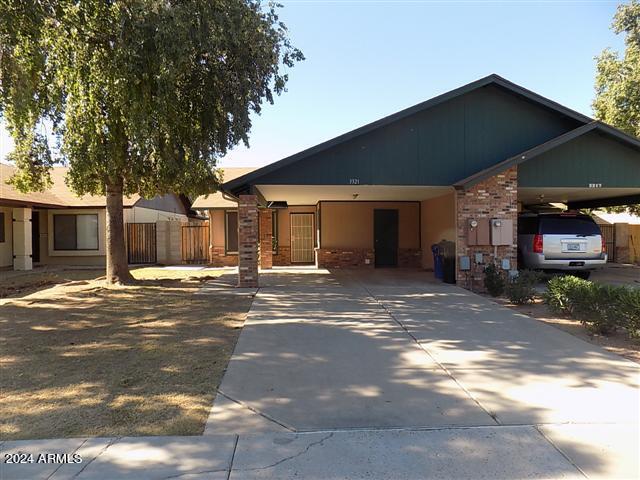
x=568, y=226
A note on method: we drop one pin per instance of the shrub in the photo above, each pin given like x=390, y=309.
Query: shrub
x=630, y=310
x=564, y=293
x=598, y=307
x=601, y=308
x=493, y=280
x=522, y=289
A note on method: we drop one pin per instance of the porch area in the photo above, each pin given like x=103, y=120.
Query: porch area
x=343, y=227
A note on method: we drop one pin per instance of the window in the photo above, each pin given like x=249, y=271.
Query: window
x=566, y=225
x=1, y=227
x=274, y=231
x=231, y=232
x=75, y=232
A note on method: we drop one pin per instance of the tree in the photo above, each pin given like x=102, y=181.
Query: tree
x=141, y=96
x=617, y=99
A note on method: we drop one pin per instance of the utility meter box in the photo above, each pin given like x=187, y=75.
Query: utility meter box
x=478, y=231
x=501, y=231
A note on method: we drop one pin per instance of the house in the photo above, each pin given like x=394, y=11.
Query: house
x=56, y=227
x=457, y=167
x=222, y=212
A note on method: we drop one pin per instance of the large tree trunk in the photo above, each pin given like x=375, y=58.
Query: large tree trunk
x=117, y=265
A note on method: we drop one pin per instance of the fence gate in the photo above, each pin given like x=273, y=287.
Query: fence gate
x=195, y=243
x=141, y=243
x=609, y=234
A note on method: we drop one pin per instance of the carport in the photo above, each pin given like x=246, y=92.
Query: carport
x=592, y=166
x=458, y=167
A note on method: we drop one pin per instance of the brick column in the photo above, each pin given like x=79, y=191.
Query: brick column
x=248, y=241
x=266, y=238
x=495, y=197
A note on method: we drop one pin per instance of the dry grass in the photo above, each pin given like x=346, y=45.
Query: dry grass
x=13, y=284
x=80, y=359
x=157, y=273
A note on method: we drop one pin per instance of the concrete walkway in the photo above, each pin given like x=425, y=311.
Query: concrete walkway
x=383, y=374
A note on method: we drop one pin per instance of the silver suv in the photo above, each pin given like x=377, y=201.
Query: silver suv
x=560, y=241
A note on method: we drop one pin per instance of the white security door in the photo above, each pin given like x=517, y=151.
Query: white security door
x=302, y=238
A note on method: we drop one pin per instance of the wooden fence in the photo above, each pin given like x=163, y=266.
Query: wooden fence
x=141, y=243
x=195, y=243
x=609, y=234
x=634, y=243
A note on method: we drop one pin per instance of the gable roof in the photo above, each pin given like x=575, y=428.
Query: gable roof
x=59, y=195
x=493, y=79
x=545, y=147
x=217, y=200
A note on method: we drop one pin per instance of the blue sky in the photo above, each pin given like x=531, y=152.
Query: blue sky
x=368, y=59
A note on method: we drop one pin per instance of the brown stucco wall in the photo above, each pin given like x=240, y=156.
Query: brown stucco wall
x=350, y=224
x=438, y=223
x=217, y=255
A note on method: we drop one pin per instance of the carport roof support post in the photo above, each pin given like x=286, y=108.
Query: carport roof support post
x=248, y=241
x=494, y=197
x=266, y=238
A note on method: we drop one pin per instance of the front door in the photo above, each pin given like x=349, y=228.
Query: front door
x=35, y=237
x=385, y=237
x=302, y=238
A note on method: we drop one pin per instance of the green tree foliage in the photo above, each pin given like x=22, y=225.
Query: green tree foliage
x=617, y=99
x=141, y=95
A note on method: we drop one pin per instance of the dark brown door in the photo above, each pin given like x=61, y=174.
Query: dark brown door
x=35, y=237
x=385, y=237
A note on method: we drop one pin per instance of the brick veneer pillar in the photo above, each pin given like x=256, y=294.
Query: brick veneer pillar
x=266, y=238
x=495, y=197
x=248, y=241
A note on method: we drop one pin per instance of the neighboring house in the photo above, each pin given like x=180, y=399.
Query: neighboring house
x=223, y=221
x=382, y=194
x=56, y=227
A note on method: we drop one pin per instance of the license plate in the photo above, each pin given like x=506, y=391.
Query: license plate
x=573, y=247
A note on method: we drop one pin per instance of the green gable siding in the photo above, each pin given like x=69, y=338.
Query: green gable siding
x=436, y=146
x=591, y=158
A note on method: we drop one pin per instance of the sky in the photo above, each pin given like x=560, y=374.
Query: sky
x=368, y=59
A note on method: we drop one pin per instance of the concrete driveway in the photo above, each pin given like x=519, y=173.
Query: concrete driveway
x=388, y=349
x=383, y=374
x=618, y=274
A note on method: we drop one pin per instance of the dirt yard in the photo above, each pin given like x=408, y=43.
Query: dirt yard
x=80, y=359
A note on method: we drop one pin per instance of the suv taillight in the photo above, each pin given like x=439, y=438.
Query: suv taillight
x=537, y=243
x=604, y=244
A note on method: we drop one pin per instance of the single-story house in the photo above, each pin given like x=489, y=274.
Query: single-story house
x=458, y=167
x=56, y=227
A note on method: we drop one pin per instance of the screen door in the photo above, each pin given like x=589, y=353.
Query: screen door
x=302, y=238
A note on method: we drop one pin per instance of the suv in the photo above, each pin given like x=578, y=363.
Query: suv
x=560, y=241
